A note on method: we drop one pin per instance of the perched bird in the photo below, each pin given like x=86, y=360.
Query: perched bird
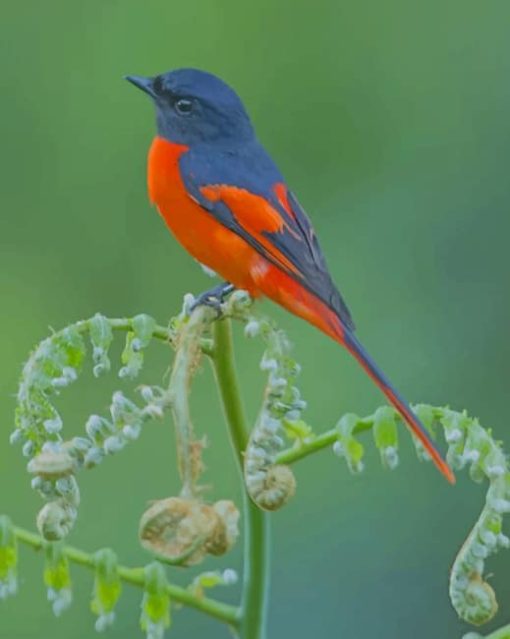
x=227, y=203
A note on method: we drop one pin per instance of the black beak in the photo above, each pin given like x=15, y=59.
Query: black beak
x=145, y=84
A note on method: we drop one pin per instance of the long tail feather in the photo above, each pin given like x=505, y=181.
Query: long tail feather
x=355, y=348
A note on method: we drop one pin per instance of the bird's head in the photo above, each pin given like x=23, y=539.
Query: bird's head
x=193, y=106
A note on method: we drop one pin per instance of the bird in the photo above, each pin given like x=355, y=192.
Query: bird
x=227, y=203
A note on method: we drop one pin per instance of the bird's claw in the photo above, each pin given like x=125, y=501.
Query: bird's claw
x=213, y=298
x=207, y=300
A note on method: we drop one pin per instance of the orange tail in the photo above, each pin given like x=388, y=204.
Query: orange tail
x=281, y=288
x=355, y=348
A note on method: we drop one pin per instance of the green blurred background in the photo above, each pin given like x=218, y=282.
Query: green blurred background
x=391, y=122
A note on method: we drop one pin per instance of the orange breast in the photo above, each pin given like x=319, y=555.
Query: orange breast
x=197, y=230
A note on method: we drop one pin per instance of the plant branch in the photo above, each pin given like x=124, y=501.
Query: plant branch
x=56, y=361
x=500, y=633
x=224, y=368
x=125, y=324
x=122, y=324
x=136, y=577
x=255, y=578
x=324, y=440
x=468, y=445
x=313, y=444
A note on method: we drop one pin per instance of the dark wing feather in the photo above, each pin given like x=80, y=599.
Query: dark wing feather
x=313, y=264
x=254, y=172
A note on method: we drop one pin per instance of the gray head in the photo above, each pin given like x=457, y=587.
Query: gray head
x=194, y=106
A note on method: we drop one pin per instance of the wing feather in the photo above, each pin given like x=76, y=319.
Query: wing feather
x=271, y=220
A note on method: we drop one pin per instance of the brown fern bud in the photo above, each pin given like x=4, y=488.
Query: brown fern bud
x=227, y=529
x=50, y=465
x=272, y=487
x=183, y=531
x=56, y=519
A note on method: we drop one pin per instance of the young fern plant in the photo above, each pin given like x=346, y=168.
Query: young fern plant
x=184, y=529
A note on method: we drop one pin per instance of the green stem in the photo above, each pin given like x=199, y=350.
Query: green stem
x=160, y=332
x=501, y=633
x=324, y=440
x=126, y=324
x=328, y=438
x=255, y=578
x=136, y=577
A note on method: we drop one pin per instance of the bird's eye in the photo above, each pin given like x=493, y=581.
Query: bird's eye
x=183, y=106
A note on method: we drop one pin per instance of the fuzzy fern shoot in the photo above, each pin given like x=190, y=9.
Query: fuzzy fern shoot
x=184, y=529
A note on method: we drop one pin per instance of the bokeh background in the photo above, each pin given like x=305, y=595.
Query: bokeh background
x=391, y=122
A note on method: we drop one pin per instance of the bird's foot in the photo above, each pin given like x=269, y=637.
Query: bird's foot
x=214, y=297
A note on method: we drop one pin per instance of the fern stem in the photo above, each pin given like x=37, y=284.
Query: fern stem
x=256, y=550
x=136, y=577
x=500, y=633
x=324, y=440
x=162, y=333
